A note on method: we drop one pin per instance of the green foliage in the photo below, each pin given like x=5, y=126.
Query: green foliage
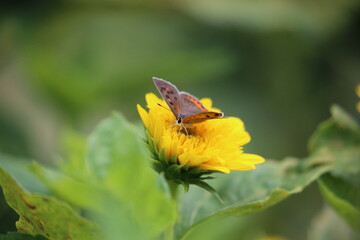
x=44, y=215
x=20, y=236
x=308, y=17
x=108, y=177
x=74, y=146
x=108, y=53
x=116, y=184
x=18, y=168
x=343, y=197
x=246, y=192
x=335, y=148
x=117, y=157
x=69, y=62
x=337, y=142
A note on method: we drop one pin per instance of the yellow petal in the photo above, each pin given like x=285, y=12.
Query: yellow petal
x=152, y=100
x=252, y=158
x=199, y=159
x=165, y=141
x=215, y=168
x=184, y=158
x=143, y=115
x=207, y=102
x=241, y=166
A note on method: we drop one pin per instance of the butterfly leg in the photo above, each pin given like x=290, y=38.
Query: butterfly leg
x=187, y=133
x=172, y=125
x=181, y=127
x=179, y=131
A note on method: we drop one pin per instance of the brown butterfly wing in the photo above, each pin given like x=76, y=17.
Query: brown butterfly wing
x=190, y=105
x=193, y=111
x=170, y=94
x=203, y=116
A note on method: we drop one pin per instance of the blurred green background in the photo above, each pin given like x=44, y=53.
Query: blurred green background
x=277, y=64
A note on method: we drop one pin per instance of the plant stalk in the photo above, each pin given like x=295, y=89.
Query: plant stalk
x=169, y=233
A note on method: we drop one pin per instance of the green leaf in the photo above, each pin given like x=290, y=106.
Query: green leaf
x=45, y=216
x=114, y=143
x=343, y=197
x=77, y=193
x=120, y=159
x=121, y=190
x=245, y=192
x=18, y=168
x=338, y=132
x=74, y=145
x=337, y=143
x=20, y=236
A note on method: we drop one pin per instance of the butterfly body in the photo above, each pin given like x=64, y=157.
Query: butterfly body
x=186, y=108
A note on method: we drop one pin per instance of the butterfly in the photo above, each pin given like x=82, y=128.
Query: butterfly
x=186, y=108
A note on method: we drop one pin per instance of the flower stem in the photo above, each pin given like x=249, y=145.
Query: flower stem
x=173, y=187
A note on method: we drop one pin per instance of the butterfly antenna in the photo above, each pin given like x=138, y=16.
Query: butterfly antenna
x=163, y=106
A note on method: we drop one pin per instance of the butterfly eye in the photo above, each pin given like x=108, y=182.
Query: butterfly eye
x=179, y=120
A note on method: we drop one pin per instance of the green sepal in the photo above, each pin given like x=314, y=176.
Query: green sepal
x=157, y=166
x=205, y=186
x=194, y=171
x=185, y=167
x=209, y=188
x=173, y=172
x=162, y=156
x=207, y=178
x=186, y=186
x=151, y=143
x=173, y=159
x=171, y=169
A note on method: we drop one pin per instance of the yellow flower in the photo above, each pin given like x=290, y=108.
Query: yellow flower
x=213, y=145
x=357, y=90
